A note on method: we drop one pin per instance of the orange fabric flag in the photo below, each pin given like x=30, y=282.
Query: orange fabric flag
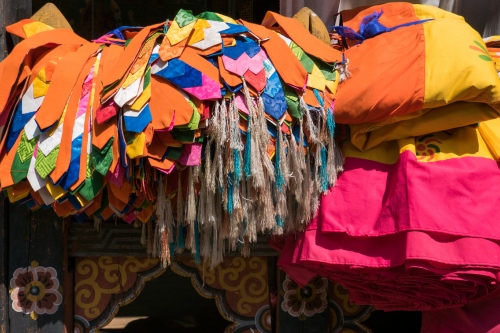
x=125, y=61
x=64, y=154
x=286, y=63
x=64, y=80
x=302, y=37
x=168, y=106
x=20, y=54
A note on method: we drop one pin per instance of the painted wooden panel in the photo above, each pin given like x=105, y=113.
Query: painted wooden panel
x=4, y=289
x=321, y=306
x=35, y=270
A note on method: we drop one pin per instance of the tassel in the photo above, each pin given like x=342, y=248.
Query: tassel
x=180, y=216
x=230, y=195
x=280, y=180
x=202, y=202
x=264, y=140
x=246, y=158
x=197, y=258
x=205, y=242
x=245, y=250
x=256, y=170
x=190, y=212
x=280, y=187
x=161, y=217
x=296, y=163
x=343, y=70
x=339, y=159
x=305, y=203
x=180, y=245
x=180, y=202
x=154, y=243
x=97, y=223
x=169, y=220
x=269, y=211
x=151, y=239
x=213, y=133
x=160, y=247
x=220, y=141
x=316, y=180
x=217, y=249
x=144, y=234
x=323, y=174
x=331, y=165
x=209, y=183
x=251, y=226
x=196, y=174
x=165, y=249
x=311, y=128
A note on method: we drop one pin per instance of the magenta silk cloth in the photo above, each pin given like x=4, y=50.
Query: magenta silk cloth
x=479, y=317
x=406, y=236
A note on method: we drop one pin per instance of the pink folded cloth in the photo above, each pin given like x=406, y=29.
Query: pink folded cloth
x=404, y=230
x=479, y=317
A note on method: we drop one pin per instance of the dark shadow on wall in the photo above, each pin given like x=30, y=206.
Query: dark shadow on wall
x=171, y=304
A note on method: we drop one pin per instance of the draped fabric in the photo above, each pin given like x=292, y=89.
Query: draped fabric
x=483, y=15
x=411, y=222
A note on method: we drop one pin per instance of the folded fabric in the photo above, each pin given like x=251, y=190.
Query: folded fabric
x=400, y=69
x=478, y=317
x=365, y=136
x=420, y=242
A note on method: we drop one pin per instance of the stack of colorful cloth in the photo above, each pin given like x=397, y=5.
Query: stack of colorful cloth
x=205, y=129
x=412, y=222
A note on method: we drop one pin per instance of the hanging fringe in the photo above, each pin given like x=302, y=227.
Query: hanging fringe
x=311, y=128
x=280, y=185
x=97, y=223
x=343, y=69
x=180, y=216
x=160, y=245
x=144, y=236
x=150, y=238
x=190, y=212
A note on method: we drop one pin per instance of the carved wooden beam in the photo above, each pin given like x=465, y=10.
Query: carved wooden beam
x=122, y=239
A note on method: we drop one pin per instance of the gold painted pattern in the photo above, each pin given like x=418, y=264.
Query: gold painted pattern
x=100, y=278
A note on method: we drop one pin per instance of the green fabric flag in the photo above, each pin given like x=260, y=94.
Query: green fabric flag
x=292, y=101
x=210, y=16
x=183, y=136
x=19, y=170
x=45, y=164
x=26, y=148
x=174, y=153
x=102, y=159
x=92, y=186
x=184, y=17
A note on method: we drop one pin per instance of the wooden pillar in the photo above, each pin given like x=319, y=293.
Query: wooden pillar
x=4, y=277
x=36, y=266
x=11, y=11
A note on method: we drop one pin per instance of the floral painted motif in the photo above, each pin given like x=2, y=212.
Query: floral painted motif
x=305, y=302
x=480, y=48
x=426, y=147
x=34, y=290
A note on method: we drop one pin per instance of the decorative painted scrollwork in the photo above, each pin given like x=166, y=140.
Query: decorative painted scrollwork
x=239, y=286
x=103, y=284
